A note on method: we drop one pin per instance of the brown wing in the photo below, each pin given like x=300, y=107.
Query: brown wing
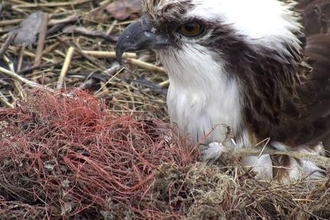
x=316, y=22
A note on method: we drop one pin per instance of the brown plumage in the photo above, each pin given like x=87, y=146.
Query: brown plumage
x=316, y=21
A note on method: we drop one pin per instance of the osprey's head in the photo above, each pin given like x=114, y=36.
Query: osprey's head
x=223, y=28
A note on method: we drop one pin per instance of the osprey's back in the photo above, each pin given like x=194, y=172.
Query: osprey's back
x=239, y=74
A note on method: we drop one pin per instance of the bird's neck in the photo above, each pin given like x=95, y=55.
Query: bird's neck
x=203, y=99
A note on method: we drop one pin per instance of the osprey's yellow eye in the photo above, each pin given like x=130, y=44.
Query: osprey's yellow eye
x=191, y=29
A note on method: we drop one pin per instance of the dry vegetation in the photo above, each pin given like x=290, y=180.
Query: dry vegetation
x=83, y=138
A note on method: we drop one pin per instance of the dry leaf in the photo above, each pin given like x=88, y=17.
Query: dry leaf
x=27, y=31
x=121, y=10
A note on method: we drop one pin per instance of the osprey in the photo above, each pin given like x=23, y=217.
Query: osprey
x=242, y=72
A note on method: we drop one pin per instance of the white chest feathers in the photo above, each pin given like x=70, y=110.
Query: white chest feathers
x=202, y=99
x=205, y=112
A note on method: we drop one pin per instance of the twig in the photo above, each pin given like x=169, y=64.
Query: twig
x=79, y=51
x=145, y=65
x=10, y=22
x=9, y=40
x=97, y=93
x=51, y=4
x=5, y=101
x=65, y=67
x=23, y=80
x=105, y=54
x=41, y=40
x=69, y=19
x=31, y=68
x=89, y=33
x=111, y=27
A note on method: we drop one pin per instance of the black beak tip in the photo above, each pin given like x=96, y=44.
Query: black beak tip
x=121, y=48
x=131, y=39
x=119, y=54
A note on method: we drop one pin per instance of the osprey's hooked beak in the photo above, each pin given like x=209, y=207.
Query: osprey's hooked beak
x=139, y=35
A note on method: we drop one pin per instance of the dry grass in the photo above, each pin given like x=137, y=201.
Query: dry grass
x=108, y=152
x=76, y=54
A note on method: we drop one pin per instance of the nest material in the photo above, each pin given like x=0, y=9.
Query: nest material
x=67, y=156
x=64, y=155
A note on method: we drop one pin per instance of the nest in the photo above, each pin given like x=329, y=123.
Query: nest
x=65, y=155
x=106, y=150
